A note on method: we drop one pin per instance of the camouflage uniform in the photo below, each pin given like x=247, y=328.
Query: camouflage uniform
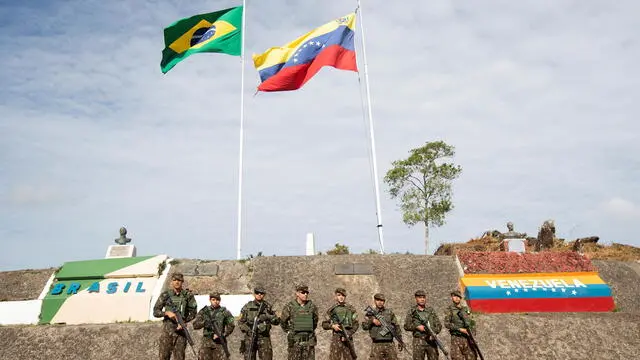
x=421, y=345
x=172, y=340
x=382, y=347
x=348, y=317
x=460, y=347
x=211, y=349
x=266, y=319
x=300, y=323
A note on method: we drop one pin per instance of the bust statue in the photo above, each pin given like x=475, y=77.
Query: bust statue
x=510, y=234
x=123, y=239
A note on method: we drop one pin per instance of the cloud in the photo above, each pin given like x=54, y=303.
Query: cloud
x=622, y=209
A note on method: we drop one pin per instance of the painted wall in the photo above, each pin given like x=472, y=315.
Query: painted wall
x=20, y=312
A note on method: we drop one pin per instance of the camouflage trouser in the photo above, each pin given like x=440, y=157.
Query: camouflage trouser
x=338, y=349
x=460, y=349
x=301, y=347
x=422, y=347
x=264, y=350
x=172, y=342
x=383, y=351
x=210, y=350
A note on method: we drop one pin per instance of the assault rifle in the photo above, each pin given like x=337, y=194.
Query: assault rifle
x=254, y=334
x=223, y=340
x=430, y=333
x=472, y=341
x=343, y=334
x=172, y=307
x=392, y=329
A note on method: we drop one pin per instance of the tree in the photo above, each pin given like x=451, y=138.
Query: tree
x=339, y=250
x=422, y=183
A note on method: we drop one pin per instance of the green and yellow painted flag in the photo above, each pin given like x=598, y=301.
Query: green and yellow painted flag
x=219, y=32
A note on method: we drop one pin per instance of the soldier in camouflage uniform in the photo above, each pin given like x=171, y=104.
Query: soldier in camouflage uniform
x=299, y=319
x=172, y=337
x=348, y=318
x=266, y=319
x=415, y=321
x=460, y=346
x=211, y=347
x=382, y=347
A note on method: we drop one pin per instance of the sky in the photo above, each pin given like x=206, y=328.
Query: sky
x=539, y=98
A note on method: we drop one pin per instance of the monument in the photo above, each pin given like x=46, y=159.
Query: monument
x=513, y=240
x=121, y=250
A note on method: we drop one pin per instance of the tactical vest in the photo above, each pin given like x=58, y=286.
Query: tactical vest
x=217, y=316
x=456, y=322
x=379, y=333
x=252, y=311
x=179, y=301
x=302, y=317
x=344, y=315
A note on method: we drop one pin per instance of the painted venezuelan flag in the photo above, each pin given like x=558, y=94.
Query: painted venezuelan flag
x=543, y=292
x=289, y=67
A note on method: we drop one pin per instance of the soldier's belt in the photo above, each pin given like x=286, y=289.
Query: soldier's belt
x=382, y=341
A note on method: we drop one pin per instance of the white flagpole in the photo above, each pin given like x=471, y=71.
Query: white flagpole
x=241, y=155
x=371, y=133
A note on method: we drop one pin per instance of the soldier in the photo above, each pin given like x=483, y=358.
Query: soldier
x=216, y=320
x=299, y=320
x=172, y=336
x=460, y=347
x=266, y=318
x=345, y=315
x=416, y=321
x=382, y=347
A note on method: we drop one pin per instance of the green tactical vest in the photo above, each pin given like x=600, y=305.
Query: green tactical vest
x=302, y=317
x=217, y=316
x=252, y=311
x=179, y=301
x=381, y=332
x=345, y=315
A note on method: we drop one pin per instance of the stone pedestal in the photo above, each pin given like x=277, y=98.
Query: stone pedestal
x=120, y=251
x=515, y=245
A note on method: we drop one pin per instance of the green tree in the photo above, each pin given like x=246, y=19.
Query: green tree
x=422, y=184
x=339, y=249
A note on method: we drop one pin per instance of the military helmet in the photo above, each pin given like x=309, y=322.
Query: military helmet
x=302, y=287
x=456, y=293
x=420, y=293
x=177, y=276
x=259, y=289
x=379, y=296
x=215, y=295
x=341, y=291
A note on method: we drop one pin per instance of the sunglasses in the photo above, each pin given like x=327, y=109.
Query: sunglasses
x=259, y=293
x=303, y=292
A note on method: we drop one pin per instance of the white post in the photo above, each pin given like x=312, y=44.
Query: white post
x=372, y=137
x=311, y=245
x=241, y=155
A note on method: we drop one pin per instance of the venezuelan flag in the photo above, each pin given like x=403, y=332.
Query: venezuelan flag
x=539, y=292
x=289, y=67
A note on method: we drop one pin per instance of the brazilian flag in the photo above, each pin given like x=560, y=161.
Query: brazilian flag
x=218, y=32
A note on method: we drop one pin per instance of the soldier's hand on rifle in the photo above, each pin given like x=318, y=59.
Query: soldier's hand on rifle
x=377, y=322
x=420, y=327
x=464, y=331
x=336, y=327
x=170, y=314
x=179, y=327
x=215, y=337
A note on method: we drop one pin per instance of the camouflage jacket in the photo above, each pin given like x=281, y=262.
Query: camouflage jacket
x=416, y=317
x=379, y=332
x=347, y=316
x=289, y=311
x=184, y=302
x=209, y=318
x=266, y=319
x=452, y=320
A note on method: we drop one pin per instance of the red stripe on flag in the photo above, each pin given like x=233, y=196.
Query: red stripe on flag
x=293, y=77
x=543, y=305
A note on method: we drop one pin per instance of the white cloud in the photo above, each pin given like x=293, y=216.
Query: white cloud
x=622, y=209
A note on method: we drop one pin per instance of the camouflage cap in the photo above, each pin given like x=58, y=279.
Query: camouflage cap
x=420, y=293
x=259, y=289
x=341, y=291
x=177, y=276
x=379, y=296
x=215, y=295
x=302, y=287
x=456, y=293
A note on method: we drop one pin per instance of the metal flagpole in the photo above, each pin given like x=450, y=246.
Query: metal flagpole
x=241, y=155
x=371, y=133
